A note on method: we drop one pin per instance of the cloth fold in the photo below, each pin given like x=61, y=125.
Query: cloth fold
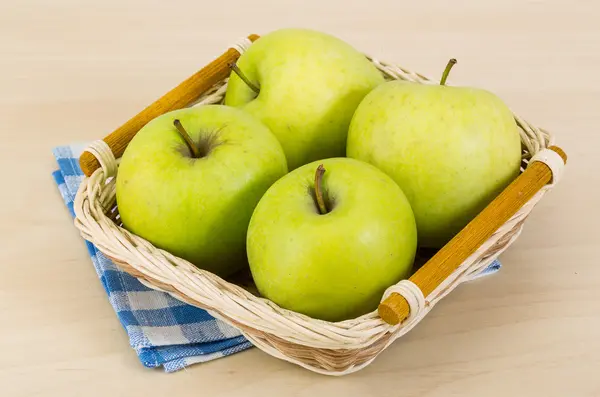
x=163, y=331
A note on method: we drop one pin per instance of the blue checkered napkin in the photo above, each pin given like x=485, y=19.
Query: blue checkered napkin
x=162, y=330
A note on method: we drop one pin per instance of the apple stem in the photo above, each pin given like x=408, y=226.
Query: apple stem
x=233, y=66
x=186, y=137
x=319, y=190
x=451, y=63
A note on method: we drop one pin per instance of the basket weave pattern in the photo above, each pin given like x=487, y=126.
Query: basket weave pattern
x=320, y=346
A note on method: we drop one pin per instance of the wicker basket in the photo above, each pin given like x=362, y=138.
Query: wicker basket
x=328, y=348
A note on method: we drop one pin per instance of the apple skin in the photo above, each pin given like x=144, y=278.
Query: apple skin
x=337, y=265
x=198, y=209
x=450, y=149
x=310, y=84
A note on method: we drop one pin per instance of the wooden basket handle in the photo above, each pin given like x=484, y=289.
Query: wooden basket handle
x=178, y=98
x=395, y=308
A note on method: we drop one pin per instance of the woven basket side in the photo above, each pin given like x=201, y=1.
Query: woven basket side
x=326, y=360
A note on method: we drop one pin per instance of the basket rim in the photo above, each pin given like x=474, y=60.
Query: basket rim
x=159, y=269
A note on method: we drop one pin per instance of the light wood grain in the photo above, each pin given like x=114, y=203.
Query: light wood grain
x=74, y=72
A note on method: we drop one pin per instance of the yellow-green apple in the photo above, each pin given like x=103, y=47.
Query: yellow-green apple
x=450, y=149
x=190, y=179
x=304, y=85
x=328, y=238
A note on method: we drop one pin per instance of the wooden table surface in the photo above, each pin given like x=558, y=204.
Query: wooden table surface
x=73, y=71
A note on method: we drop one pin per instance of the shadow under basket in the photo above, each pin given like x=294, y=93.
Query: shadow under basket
x=320, y=346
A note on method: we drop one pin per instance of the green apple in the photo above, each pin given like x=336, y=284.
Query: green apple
x=304, y=85
x=328, y=238
x=450, y=149
x=190, y=179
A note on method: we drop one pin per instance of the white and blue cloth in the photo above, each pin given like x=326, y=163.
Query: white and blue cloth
x=162, y=330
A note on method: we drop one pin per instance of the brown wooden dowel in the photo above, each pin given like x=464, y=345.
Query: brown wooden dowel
x=395, y=308
x=178, y=98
